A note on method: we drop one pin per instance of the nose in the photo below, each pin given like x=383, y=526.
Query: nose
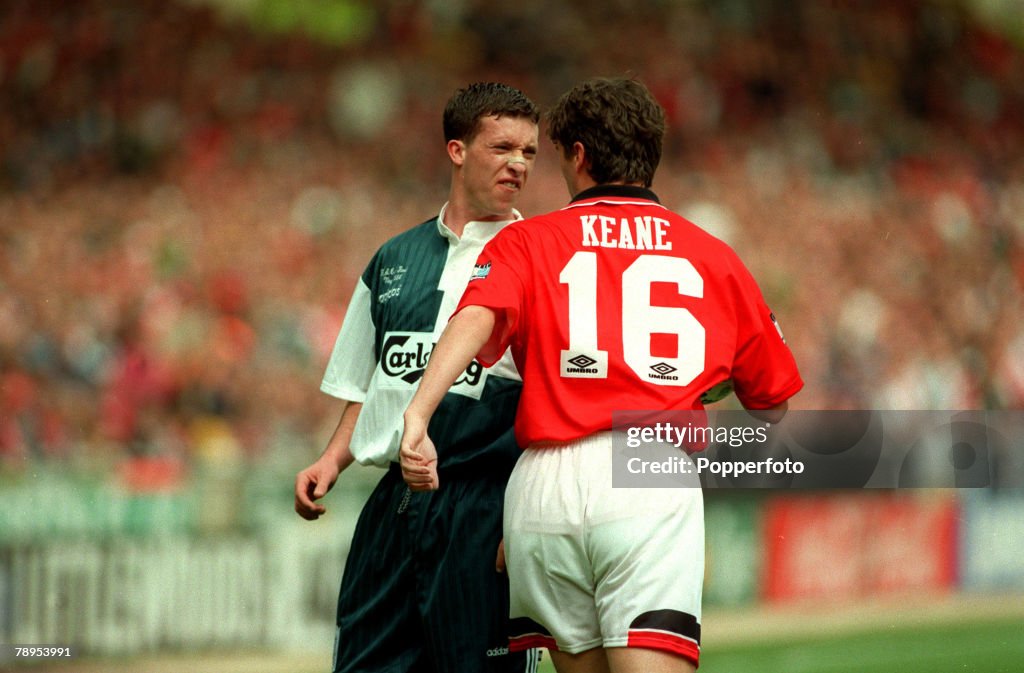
x=517, y=164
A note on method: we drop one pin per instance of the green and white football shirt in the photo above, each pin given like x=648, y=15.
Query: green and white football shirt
x=399, y=308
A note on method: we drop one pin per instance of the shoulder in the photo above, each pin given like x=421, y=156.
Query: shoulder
x=402, y=250
x=423, y=233
x=523, y=240
x=413, y=241
x=531, y=228
x=702, y=240
x=719, y=264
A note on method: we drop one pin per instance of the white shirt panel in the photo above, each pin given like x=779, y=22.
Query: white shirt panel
x=351, y=366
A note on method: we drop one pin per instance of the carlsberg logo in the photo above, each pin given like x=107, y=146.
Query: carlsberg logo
x=404, y=358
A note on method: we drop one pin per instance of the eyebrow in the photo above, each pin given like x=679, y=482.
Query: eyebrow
x=512, y=143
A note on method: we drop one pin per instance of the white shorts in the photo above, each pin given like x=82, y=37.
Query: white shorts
x=594, y=566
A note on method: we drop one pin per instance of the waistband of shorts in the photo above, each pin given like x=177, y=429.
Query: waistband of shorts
x=604, y=437
x=493, y=467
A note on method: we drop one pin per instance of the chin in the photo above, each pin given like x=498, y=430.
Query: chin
x=503, y=207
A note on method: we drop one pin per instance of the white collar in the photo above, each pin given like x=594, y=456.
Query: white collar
x=474, y=229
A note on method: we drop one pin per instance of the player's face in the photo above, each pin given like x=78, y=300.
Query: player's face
x=496, y=164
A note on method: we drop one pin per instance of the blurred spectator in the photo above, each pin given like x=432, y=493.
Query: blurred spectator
x=186, y=201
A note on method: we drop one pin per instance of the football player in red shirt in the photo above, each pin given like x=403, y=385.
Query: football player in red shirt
x=611, y=303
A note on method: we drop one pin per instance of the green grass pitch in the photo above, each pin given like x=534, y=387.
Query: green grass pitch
x=973, y=647
x=987, y=645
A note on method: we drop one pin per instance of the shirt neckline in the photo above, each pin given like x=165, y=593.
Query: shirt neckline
x=621, y=191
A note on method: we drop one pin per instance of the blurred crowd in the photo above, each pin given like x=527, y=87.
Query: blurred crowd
x=187, y=198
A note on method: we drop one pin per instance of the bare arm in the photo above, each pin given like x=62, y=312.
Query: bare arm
x=462, y=339
x=315, y=481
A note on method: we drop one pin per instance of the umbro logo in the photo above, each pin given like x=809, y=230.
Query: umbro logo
x=663, y=370
x=582, y=361
x=583, y=364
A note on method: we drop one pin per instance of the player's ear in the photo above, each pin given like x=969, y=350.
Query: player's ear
x=579, y=156
x=457, y=152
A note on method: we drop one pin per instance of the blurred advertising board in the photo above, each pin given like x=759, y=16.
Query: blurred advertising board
x=120, y=563
x=733, y=547
x=129, y=595
x=858, y=545
x=992, y=549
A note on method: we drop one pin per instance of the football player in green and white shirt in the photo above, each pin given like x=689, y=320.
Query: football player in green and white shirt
x=450, y=612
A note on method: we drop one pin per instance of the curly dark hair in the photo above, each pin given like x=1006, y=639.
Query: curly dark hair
x=619, y=124
x=483, y=99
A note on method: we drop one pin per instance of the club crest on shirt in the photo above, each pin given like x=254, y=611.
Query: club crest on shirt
x=390, y=275
x=481, y=271
x=404, y=357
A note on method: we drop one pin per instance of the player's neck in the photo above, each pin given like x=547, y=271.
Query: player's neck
x=454, y=220
x=586, y=182
x=458, y=214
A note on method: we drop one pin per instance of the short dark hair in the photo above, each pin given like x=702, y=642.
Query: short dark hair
x=468, y=105
x=619, y=124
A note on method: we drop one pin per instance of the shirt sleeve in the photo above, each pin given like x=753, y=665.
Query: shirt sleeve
x=764, y=371
x=353, y=359
x=497, y=283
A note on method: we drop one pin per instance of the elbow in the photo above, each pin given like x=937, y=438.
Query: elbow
x=772, y=415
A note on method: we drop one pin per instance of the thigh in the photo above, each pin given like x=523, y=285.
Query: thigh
x=636, y=660
x=621, y=660
x=591, y=661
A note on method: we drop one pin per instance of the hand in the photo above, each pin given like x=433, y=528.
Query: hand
x=418, y=456
x=499, y=562
x=312, y=484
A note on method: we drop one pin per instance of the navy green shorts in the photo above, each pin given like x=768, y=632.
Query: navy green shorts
x=420, y=593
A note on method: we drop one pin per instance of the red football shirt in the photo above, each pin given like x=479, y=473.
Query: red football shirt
x=616, y=303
